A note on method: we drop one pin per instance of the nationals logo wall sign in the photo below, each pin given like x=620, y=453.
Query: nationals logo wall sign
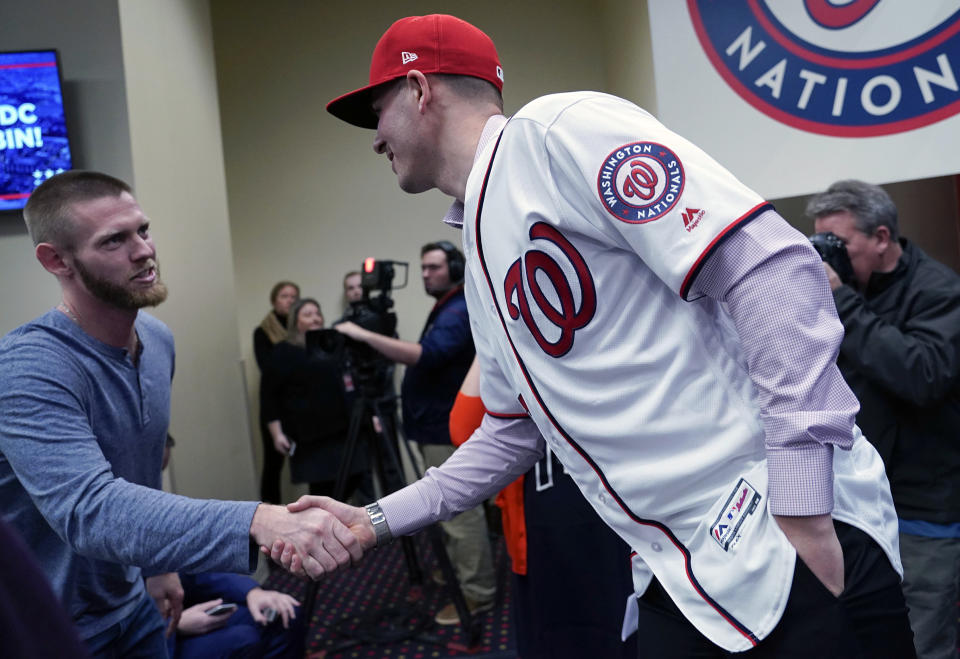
x=848, y=68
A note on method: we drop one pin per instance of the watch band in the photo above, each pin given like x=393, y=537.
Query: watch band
x=379, y=522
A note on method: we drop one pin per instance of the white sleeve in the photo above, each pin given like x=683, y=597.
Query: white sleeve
x=642, y=186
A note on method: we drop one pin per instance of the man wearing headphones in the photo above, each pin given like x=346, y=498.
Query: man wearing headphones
x=436, y=366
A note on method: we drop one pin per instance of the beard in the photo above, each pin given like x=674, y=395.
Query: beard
x=438, y=291
x=120, y=296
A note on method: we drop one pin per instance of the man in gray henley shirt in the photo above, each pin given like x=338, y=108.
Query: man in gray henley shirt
x=84, y=411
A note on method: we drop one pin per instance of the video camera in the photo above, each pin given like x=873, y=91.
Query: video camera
x=368, y=368
x=833, y=252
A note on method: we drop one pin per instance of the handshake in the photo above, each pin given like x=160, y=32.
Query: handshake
x=313, y=536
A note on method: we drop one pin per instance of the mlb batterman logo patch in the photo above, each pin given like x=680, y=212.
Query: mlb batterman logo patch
x=640, y=182
x=849, y=68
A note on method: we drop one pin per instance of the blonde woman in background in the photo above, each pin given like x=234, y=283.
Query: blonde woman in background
x=271, y=331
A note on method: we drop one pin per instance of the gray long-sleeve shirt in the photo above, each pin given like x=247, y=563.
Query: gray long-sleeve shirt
x=82, y=431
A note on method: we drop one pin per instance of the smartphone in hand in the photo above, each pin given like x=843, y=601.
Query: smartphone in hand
x=221, y=609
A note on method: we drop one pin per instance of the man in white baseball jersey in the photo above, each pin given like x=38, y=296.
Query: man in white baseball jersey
x=671, y=339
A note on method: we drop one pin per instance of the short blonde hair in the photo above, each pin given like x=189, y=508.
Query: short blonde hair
x=48, y=210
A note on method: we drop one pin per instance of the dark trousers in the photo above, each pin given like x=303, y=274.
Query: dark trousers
x=867, y=621
x=569, y=605
x=243, y=638
x=930, y=571
x=272, y=466
x=138, y=636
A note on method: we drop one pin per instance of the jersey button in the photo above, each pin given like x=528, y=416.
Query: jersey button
x=603, y=498
x=655, y=546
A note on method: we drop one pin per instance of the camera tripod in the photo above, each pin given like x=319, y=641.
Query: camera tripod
x=382, y=445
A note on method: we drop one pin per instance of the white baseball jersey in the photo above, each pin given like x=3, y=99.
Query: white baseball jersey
x=584, y=228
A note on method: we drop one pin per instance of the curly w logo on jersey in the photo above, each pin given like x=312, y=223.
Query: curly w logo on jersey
x=854, y=68
x=557, y=309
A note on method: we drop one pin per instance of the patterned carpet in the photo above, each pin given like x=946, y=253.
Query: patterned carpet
x=373, y=610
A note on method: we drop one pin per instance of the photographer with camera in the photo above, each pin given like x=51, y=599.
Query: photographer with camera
x=436, y=366
x=901, y=356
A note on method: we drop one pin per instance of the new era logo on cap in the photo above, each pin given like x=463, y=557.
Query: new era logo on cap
x=408, y=57
x=500, y=73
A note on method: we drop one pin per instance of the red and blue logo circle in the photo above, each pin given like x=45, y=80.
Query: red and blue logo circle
x=848, y=68
x=640, y=182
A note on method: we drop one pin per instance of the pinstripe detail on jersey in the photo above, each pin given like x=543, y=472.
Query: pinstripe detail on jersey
x=736, y=624
x=728, y=231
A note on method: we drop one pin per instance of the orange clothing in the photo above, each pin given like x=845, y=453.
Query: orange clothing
x=465, y=417
x=510, y=500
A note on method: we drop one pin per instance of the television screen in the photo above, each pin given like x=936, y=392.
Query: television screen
x=33, y=131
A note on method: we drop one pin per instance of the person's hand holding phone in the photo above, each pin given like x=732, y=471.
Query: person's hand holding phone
x=205, y=617
x=221, y=609
x=264, y=602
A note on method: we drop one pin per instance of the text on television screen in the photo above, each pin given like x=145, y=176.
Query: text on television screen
x=33, y=129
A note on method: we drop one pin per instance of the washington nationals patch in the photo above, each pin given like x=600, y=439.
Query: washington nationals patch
x=640, y=182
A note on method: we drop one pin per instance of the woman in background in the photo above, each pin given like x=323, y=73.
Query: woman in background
x=306, y=408
x=271, y=331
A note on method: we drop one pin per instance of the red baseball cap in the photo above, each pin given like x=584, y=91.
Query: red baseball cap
x=437, y=43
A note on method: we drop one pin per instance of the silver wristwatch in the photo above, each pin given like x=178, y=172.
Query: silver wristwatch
x=379, y=522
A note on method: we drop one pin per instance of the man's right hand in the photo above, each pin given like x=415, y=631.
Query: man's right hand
x=817, y=545
x=354, y=518
x=323, y=543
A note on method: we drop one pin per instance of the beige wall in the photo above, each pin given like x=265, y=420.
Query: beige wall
x=628, y=51
x=178, y=167
x=308, y=197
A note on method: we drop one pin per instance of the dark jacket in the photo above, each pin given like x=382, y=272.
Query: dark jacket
x=901, y=356
x=304, y=391
x=430, y=386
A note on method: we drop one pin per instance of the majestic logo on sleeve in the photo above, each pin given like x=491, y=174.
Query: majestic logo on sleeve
x=691, y=218
x=558, y=315
x=851, y=68
x=640, y=182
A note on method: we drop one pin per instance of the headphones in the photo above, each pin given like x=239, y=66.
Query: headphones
x=455, y=260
